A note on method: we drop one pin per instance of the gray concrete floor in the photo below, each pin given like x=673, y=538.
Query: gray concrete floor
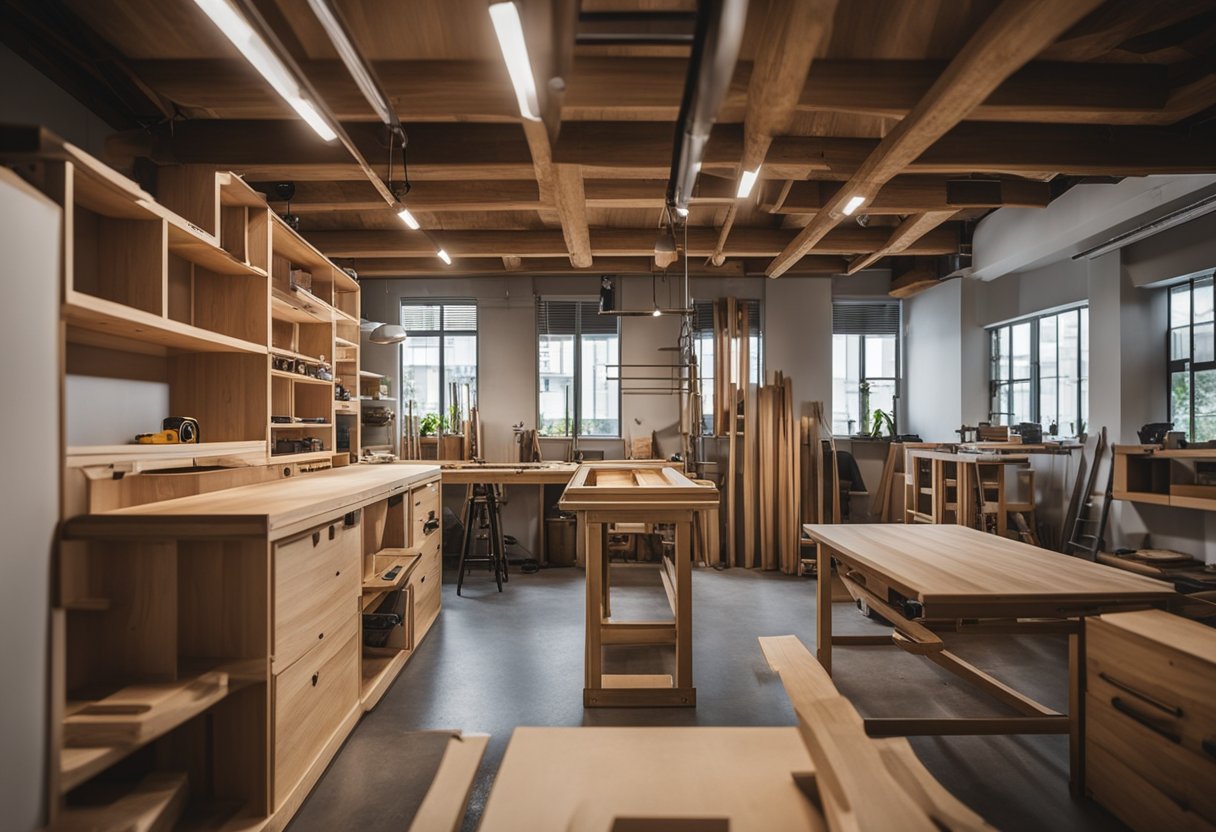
x=496, y=661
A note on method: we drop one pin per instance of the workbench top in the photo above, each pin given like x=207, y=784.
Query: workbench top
x=271, y=509
x=945, y=564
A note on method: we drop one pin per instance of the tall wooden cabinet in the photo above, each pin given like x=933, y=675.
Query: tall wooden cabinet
x=208, y=653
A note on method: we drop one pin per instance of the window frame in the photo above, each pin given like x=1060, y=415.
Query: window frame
x=1187, y=365
x=1035, y=379
x=897, y=397
x=444, y=404
x=577, y=415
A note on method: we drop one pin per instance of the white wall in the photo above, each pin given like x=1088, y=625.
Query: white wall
x=29, y=493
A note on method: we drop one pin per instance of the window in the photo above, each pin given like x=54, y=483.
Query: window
x=1192, y=359
x=865, y=364
x=703, y=348
x=577, y=350
x=441, y=350
x=1040, y=372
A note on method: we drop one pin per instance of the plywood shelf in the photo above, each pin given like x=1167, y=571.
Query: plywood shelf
x=300, y=307
x=296, y=377
x=385, y=561
x=203, y=250
x=308, y=456
x=300, y=425
x=155, y=802
x=380, y=667
x=342, y=342
x=1142, y=497
x=95, y=314
x=203, y=450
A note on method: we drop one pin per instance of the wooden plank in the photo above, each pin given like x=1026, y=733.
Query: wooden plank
x=444, y=805
x=1011, y=36
x=905, y=234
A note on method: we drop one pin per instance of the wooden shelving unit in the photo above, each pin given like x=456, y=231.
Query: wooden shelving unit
x=1181, y=478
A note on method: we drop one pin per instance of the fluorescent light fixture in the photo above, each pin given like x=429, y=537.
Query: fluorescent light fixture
x=746, y=181
x=444, y=256
x=1184, y=214
x=408, y=219
x=657, y=312
x=683, y=212
x=853, y=204
x=259, y=53
x=510, y=31
x=351, y=58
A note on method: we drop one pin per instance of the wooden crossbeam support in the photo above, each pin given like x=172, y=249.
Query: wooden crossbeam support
x=815, y=265
x=1012, y=35
x=905, y=234
x=286, y=150
x=1115, y=22
x=910, y=195
x=424, y=197
x=610, y=242
x=649, y=89
x=572, y=212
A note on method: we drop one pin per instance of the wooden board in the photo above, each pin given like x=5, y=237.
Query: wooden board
x=583, y=778
x=954, y=565
x=622, y=486
x=514, y=473
x=275, y=508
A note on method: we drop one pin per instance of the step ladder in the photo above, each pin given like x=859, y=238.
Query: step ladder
x=1089, y=527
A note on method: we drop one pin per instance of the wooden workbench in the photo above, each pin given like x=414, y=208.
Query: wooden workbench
x=538, y=474
x=940, y=575
x=637, y=492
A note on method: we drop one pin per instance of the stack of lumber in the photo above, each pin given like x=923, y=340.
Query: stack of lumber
x=529, y=446
x=885, y=507
x=779, y=483
x=820, y=476
x=734, y=401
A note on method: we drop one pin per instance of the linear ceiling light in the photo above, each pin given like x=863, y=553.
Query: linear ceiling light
x=746, y=181
x=259, y=53
x=408, y=219
x=444, y=256
x=852, y=205
x=352, y=59
x=510, y=31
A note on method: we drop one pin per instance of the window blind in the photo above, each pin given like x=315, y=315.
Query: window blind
x=572, y=317
x=439, y=315
x=865, y=318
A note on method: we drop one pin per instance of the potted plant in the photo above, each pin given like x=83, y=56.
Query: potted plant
x=882, y=419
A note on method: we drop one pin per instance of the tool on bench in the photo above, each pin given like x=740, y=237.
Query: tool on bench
x=175, y=430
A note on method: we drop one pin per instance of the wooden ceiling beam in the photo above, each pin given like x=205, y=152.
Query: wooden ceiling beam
x=608, y=242
x=652, y=193
x=1116, y=21
x=1011, y=36
x=911, y=195
x=816, y=265
x=905, y=235
x=424, y=197
x=649, y=89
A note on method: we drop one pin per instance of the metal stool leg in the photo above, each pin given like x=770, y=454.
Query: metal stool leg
x=466, y=546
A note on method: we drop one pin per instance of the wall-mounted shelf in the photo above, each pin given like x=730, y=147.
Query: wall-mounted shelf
x=299, y=379
x=1180, y=478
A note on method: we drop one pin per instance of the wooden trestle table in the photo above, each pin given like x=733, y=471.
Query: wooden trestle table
x=927, y=579
x=637, y=492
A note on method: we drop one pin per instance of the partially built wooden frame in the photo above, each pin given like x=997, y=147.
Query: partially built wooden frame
x=637, y=493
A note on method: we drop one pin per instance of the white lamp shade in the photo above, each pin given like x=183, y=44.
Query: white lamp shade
x=387, y=334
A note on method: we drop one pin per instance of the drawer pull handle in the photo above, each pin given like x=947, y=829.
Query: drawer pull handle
x=316, y=538
x=430, y=525
x=1139, y=694
x=320, y=636
x=422, y=580
x=1148, y=722
x=315, y=677
x=338, y=574
x=333, y=532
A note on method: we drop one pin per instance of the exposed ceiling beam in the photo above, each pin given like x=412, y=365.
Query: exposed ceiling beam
x=1117, y=21
x=609, y=242
x=1012, y=35
x=648, y=89
x=905, y=235
x=424, y=197
x=911, y=195
x=279, y=150
x=572, y=209
x=817, y=265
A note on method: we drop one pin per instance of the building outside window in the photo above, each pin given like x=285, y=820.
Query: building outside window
x=1192, y=358
x=703, y=348
x=1039, y=372
x=866, y=352
x=577, y=350
x=441, y=349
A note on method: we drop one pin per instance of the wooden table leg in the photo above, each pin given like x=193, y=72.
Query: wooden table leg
x=964, y=493
x=593, y=534
x=606, y=564
x=542, y=554
x=1076, y=710
x=823, y=612
x=683, y=606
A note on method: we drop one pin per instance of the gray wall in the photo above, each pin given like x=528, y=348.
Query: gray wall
x=29, y=493
x=948, y=360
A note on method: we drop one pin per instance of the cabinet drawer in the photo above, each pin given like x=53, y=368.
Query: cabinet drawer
x=316, y=581
x=1169, y=689
x=427, y=582
x=1183, y=777
x=1133, y=799
x=311, y=698
x=427, y=518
